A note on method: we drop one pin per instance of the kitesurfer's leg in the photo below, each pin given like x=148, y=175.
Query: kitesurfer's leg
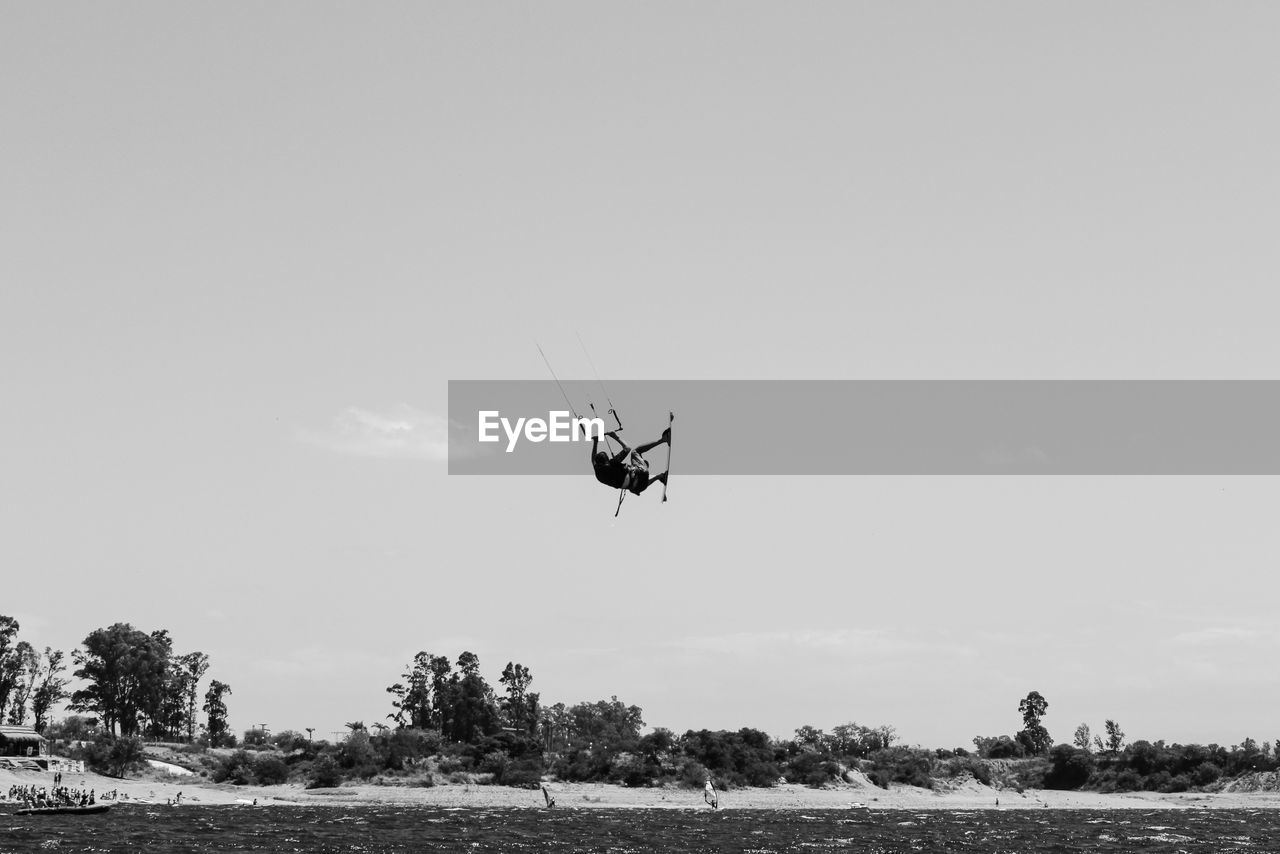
x=666, y=438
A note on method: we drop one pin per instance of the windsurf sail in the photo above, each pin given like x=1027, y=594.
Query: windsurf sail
x=710, y=795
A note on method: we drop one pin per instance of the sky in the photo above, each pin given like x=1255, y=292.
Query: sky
x=246, y=247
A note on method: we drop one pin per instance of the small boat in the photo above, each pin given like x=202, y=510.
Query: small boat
x=96, y=808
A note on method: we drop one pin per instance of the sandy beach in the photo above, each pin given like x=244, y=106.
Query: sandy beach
x=965, y=796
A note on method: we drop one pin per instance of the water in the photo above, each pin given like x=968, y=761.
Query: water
x=375, y=830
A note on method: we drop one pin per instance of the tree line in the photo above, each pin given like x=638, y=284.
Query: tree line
x=134, y=682
x=1106, y=763
x=30, y=680
x=447, y=722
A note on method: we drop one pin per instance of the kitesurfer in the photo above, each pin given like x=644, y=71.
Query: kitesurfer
x=627, y=469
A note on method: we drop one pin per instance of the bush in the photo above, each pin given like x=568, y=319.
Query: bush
x=1071, y=769
x=270, y=770
x=812, y=769
x=236, y=768
x=110, y=755
x=1128, y=780
x=453, y=764
x=325, y=773
x=964, y=763
x=901, y=765
x=1206, y=774
x=998, y=747
x=403, y=747
x=693, y=774
x=637, y=776
x=289, y=740
x=358, y=756
x=744, y=757
x=524, y=773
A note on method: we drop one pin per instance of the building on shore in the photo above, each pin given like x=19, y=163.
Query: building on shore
x=22, y=741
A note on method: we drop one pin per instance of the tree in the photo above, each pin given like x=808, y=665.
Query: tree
x=51, y=690
x=192, y=666
x=1034, y=737
x=473, y=710
x=812, y=738
x=10, y=666
x=520, y=706
x=469, y=664
x=27, y=665
x=114, y=756
x=1081, y=739
x=997, y=747
x=216, y=709
x=607, y=722
x=442, y=693
x=553, y=722
x=127, y=671
x=414, y=698
x=1115, y=737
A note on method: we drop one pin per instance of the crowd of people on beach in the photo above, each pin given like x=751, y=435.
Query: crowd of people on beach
x=34, y=796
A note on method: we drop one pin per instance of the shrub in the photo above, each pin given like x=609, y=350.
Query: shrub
x=964, y=763
x=1128, y=781
x=325, y=773
x=692, y=773
x=401, y=748
x=1071, y=769
x=901, y=765
x=997, y=747
x=1206, y=774
x=358, y=756
x=812, y=769
x=453, y=764
x=112, y=756
x=270, y=770
x=236, y=768
x=524, y=773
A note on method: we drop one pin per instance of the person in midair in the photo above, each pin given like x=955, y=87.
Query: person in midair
x=627, y=469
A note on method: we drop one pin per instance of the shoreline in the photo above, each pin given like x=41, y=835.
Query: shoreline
x=965, y=796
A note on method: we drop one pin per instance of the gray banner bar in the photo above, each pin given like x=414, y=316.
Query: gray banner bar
x=811, y=427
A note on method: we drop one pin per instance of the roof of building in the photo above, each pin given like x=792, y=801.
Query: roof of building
x=20, y=733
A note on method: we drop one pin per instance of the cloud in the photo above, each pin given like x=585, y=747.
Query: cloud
x=401, y=433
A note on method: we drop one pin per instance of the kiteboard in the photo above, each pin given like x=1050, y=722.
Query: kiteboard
x=671, y=417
